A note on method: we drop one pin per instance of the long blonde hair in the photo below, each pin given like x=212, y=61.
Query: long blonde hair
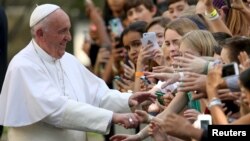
x=237, y=23
x=200, y=40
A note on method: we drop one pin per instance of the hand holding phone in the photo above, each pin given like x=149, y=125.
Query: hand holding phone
x=230, y=69
x=116, y=26
x=149, y=37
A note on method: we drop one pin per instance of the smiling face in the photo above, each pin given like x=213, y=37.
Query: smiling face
x=172, y=42
x=55, y=34
x=132, y=43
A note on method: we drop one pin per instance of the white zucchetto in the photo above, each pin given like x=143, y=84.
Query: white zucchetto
x=41, y=12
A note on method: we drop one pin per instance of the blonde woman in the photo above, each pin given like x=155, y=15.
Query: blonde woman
x=198, y=43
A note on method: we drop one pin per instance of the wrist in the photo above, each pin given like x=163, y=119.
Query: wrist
x=114, y=118
x=212, y=14
x=141, y=135
x=214, y=102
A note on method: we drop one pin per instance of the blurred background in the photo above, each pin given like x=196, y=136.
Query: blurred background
x=18, y=13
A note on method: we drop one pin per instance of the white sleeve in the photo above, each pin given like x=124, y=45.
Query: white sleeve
x=81, y=116
x=116, y=101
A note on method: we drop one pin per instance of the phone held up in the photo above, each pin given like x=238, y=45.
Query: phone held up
x=149, y=38
x=203, y=121
x=230, y=69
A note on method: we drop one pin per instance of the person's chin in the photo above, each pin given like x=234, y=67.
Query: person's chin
x=135, y=61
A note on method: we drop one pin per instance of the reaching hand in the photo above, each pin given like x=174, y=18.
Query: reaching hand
x=226, y=94
x=191, y=114
x=124, y=85
x=190, y=63
x=156, y=129
x=127, y=120
x=177, y=126
x=214, y=79
x=125, y=137
x=170, y=78
x=162, y=69
x=193, y=82
x=142, y=116
x=244, y=61
x=140, y=97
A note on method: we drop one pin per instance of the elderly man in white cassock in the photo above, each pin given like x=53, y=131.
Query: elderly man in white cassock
x=48, y=95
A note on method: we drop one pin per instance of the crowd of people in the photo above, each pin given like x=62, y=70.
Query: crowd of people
x=165, y=63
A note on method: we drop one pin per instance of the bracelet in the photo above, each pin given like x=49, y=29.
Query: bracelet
x=213, y=15
x=214, y=18
x=214, y=102
x=139, y=74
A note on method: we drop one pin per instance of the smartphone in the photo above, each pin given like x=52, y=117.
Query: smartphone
x=116, y=26
x=126, y=61
x=230, y=69
x=204, y=120
x=149, y=37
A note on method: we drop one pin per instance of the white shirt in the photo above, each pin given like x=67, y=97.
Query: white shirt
x=63, y=94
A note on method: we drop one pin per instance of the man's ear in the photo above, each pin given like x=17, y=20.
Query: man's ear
x=39, y=33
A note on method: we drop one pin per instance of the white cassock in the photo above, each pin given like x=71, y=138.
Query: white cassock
x=44, y=99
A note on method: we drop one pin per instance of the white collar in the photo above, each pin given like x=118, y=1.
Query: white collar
x=42, y=54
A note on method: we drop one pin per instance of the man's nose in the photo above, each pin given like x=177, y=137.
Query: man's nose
x=68, y=37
